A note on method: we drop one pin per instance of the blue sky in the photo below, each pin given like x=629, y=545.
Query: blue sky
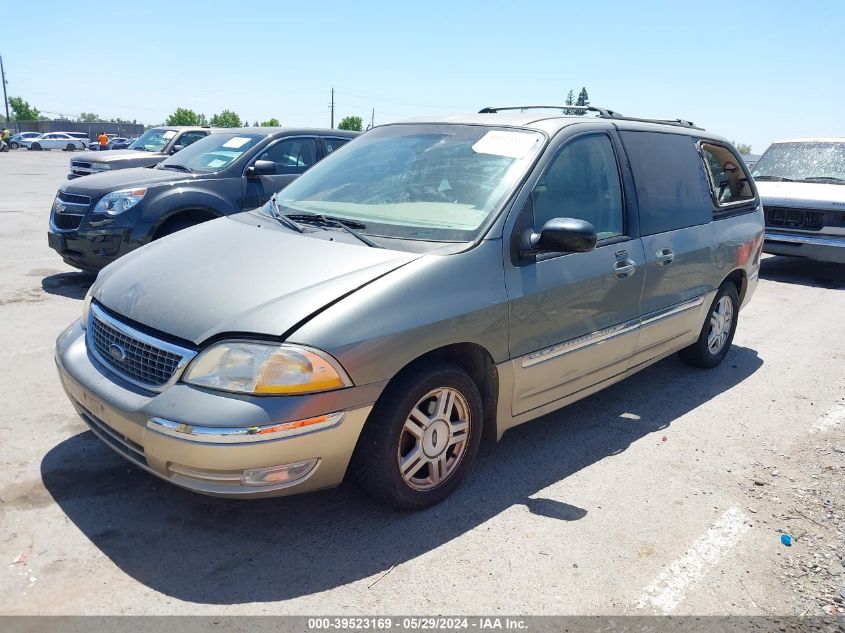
x=752, y=71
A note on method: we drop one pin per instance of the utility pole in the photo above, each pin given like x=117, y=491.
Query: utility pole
x=332, y=108
x=5, y=99
x=372, y=119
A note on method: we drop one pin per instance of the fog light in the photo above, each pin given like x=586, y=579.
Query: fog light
x=274, y=475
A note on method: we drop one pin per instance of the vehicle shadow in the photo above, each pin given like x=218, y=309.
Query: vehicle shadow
x=71, y=285
x=800, y=270
x=217, y=551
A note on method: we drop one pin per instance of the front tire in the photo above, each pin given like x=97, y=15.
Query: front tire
x=717, y=333
x=14, y=145
x=421, y=438
x=70, y=147
x=35, y=147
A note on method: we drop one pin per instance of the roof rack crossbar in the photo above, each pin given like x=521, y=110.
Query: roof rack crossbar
x=603, y=113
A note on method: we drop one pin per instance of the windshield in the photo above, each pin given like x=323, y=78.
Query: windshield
x=802, y=161
x=212, y=153
x=422, y=182
x=153, y=140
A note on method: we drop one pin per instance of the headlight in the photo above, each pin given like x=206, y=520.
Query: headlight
x=86, y=307
x=100, y=166
x=265, y=368
x=117, y=202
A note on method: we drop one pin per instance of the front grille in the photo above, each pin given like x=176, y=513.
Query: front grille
x=139, y=360
x=66, y=221
x=789, y=218
x=74, y=198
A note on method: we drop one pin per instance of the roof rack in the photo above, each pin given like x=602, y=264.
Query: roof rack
x=603, y=113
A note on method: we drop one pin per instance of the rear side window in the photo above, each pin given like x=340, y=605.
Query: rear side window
x=334, y=143
x=672, y=189
x=729, y=184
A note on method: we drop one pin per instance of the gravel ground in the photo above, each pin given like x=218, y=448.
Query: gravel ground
x=667, y=493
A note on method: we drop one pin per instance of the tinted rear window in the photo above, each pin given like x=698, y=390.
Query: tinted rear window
x=672, y=189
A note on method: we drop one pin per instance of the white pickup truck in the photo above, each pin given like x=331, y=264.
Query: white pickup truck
x=802, y=186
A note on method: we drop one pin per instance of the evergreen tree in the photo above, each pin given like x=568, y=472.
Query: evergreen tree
x=583, y=99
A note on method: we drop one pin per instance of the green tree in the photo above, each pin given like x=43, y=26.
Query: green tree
x=89, y=117
x=23, y=111
x=273, y=122
x=570, y=100
x=742, y=148
x=227, y=118
x=352, y=123
x=583, y=99
x=184, y=116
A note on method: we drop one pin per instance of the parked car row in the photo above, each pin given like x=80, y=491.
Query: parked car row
x=419, y=288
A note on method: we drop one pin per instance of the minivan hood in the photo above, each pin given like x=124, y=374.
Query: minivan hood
x=233, y=276
x=98, y=184
x=814, y=195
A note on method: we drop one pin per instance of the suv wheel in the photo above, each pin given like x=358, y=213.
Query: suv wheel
x=70, y=147
x=14, y=145
x=718, y=330
x=35, y=147
x=421, y=437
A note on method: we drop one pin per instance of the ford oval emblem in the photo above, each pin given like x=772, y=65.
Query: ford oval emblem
x=117, y=352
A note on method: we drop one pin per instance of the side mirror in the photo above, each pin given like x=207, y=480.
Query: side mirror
x=261, y=168
x=560, y=235
x=176, y=148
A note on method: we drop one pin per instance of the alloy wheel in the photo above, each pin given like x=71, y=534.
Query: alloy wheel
x=721, y=321
x=434, y=439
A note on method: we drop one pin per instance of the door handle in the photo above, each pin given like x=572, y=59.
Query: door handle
x=624, y=268
x=664, y=256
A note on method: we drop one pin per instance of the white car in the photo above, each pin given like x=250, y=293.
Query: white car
x=53, y=140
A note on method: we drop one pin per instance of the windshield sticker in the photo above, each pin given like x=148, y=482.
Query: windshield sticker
x=169, y=134
x=236, y=141
x=217, y=162
x=502, y=143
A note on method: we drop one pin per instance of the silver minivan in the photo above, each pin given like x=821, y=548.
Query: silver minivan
x=431, y=284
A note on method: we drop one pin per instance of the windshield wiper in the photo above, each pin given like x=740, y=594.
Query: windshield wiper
x=281, y=218
x=177, y=167
x=329, y=221
x=822, y=179
x=775, y=178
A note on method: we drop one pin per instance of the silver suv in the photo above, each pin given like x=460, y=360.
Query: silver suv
x=430, y=284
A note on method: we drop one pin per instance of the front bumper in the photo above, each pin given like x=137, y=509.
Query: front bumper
x=91, y=249
x=819, y=247
x=156, y=431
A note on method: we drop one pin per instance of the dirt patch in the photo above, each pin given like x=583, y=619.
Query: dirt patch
x=30, y=295
x=800, y=497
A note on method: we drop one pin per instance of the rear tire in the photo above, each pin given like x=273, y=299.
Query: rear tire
x=421, y=438
x=717, y=333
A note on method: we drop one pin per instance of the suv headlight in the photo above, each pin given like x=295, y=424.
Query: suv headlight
x=265, y=368
x=117, y=202
x=103, y=166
